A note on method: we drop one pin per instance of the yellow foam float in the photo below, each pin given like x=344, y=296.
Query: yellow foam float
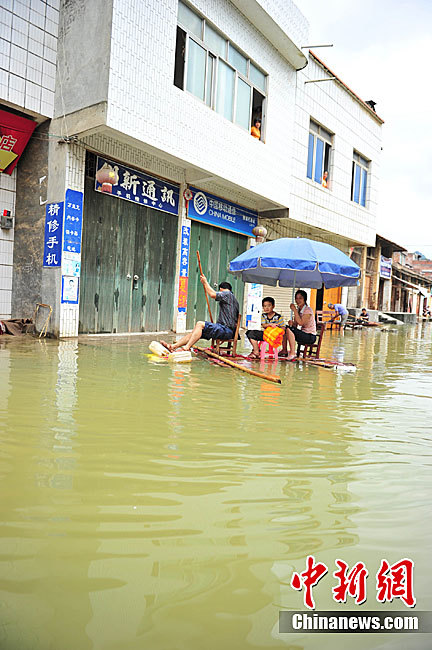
x=162, y=354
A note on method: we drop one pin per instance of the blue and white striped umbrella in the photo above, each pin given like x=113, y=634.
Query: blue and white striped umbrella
x=296, y=262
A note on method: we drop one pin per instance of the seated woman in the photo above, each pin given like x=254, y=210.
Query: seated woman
x=269, y=318
x=303, y=318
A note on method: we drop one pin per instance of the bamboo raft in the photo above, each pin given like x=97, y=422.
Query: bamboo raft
x=322, y=363
x=224, y=360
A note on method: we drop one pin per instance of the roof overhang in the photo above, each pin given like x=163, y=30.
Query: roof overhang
x=347, y=88
x=272, y=31
x=421, y=290
x=388, y=244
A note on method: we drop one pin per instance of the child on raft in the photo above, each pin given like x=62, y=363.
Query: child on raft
x=269, y=318
x=303, y=318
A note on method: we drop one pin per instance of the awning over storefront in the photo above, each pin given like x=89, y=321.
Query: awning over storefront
x=421, y=290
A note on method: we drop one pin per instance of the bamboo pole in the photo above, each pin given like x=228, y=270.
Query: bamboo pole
x=201, y=272
x=261, y=375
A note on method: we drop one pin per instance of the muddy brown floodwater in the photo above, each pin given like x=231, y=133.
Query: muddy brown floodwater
x=152, y=506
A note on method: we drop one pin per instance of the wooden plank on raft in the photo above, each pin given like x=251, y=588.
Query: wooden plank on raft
x=321, y=363
x=237, y=366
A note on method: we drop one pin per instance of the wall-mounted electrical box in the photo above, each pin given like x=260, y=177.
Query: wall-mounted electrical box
x=6, y=221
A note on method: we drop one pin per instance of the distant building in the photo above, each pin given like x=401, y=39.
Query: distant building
x=375, y=289
x=389, y=284
x=411, y=288
x=420, y=263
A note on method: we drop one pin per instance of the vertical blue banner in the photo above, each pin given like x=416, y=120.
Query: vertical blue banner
x=73, y=222
x=53, y=235
x=184, y=268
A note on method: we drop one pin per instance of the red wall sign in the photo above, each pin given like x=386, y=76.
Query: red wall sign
x=15, y=132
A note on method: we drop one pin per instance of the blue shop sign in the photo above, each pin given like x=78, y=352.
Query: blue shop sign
x=221, y=213
x=73, y=221
x=385, y=267
x=53, y=234
x=131, y=185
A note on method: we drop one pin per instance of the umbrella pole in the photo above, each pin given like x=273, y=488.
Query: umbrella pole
x=293, y=291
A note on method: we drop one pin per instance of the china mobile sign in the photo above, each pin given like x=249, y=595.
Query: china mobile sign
x=15, y=132
x=129, y=184
x=219, y=212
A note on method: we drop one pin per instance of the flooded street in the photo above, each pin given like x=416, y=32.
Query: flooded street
x=147, y=505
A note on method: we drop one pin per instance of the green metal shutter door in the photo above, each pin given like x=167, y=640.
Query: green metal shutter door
x=217, y=248
x=121, y=239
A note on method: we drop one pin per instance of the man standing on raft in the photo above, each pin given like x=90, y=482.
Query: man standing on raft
x=225, y=326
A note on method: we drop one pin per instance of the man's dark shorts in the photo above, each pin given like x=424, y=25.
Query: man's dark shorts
x=302, y=337
x=217, y=331
x=255, y=335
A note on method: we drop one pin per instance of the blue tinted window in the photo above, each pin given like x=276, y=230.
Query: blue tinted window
x=310, y=156
x=356, y=184
x=319, y=160
x=364, y=185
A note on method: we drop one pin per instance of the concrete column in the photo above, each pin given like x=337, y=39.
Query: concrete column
x=32, y=173
x=179, y=320
x=387, y=295
x=66, y=170
x=398, y=305
x=344, y=296
x=376, y=277
x=363, y=277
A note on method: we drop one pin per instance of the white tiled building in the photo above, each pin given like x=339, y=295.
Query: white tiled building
x=172, y=89
x=28, y=47
x=352, y=132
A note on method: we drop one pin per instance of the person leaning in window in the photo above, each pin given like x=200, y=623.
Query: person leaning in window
x=269, y=318
x=325, y=178
x=301, y=329
x=256, y=129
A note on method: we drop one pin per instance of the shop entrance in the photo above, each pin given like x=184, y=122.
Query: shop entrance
x=320, y=298
x=128, y=274
x=217, y=247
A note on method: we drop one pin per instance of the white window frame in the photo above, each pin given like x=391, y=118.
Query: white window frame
x=364, y=165
x=238, y=75
x=323, y=134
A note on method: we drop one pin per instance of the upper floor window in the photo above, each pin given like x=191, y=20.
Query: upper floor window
x=210, y=67
x=359, y=179
x=319, y=149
